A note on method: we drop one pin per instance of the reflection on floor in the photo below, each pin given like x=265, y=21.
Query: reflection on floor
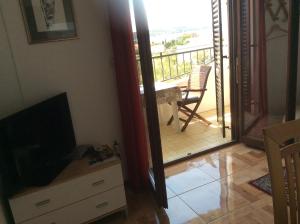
x=257, y=130
x=210, y=189
x=196, y=138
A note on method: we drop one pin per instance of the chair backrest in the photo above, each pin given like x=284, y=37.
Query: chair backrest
x=198, y=79
x=283, y=153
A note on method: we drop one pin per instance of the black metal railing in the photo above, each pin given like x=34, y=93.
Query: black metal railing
x=179, y=64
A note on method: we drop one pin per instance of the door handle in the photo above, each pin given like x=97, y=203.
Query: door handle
x=42, y=203
x=104, y=204
x=95, y=184
x=237, y=81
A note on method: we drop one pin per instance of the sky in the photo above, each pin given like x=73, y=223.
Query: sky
x=176, y=13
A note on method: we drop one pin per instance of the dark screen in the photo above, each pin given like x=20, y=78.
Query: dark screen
x=42, y=134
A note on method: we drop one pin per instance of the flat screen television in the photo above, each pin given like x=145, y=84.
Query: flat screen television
x=36, y=144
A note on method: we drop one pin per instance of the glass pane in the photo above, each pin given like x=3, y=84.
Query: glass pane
x=258, y=113
x=181, y=42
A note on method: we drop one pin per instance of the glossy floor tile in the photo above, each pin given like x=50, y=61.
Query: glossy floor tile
x=188, y=180
x=170, y=193
x=219, y=200
x=178, y=212
x=211, y=189
x=246, y=215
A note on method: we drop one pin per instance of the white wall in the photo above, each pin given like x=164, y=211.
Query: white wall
x=10, y=92
x=83, y=68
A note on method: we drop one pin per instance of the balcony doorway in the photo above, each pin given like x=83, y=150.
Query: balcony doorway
x=185, y=36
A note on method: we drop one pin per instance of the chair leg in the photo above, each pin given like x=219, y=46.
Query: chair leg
x=203, y=119
x=170, y=120
x=184, y=112
x=197, y=115
x=187, y=122
x=190, y=117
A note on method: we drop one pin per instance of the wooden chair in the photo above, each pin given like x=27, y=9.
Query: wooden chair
x=193, y=94
x=283, y=152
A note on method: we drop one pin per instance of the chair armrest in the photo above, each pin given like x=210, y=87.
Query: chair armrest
x=196, y=90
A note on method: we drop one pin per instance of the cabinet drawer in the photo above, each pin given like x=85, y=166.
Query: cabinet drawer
x=86, y=210
x=54, y=197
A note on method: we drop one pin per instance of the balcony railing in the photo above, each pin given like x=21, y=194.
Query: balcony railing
x=179, y=64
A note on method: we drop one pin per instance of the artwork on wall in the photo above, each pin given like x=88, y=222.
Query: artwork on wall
x=48, y=20
x=279, y=11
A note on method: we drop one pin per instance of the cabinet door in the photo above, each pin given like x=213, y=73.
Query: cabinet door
x=85, y=210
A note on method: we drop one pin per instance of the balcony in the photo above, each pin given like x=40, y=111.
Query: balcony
x=175, y=68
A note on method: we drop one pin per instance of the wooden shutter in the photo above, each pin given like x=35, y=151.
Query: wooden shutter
x=247, y=120
x=218, y=58
x=245, y=55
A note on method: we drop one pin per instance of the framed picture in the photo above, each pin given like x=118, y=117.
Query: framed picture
x=48, y=20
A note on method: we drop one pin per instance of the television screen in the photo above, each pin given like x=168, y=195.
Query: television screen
x=35, y=143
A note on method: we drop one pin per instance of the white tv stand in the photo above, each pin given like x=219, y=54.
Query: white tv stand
x=80, y=194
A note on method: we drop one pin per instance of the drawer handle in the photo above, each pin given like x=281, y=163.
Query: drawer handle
x=42, y=203
x=104, y=204
x=95, y=184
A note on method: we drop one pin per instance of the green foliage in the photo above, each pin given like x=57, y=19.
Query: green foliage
x=175, y=66
x=170, y=66
x=180, y=41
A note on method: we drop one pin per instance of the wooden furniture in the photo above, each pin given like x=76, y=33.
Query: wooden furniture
x=283, y=153
x=193, y=94
x=168, y=93
x=82, y=193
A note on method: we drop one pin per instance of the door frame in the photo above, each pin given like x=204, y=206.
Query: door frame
x=148, y=79
x=233, y=60
x=157, y=174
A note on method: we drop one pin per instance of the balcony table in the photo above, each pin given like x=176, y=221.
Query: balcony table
x=167, y=93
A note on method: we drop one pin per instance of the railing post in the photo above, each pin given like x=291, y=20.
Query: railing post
x=169, y=62
x=170, y=76
x=183, y=63
x=162, y=66
x=191, y=61
x=177, y=63
x=154, y=68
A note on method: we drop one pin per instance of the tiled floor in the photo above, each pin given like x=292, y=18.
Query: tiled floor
x=210, y=189
x=196, y=138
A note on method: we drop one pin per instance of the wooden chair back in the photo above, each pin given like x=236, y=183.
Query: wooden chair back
x=197, y=81
x=283, y=153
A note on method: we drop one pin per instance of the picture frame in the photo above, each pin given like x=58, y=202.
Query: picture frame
x=48, y=20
